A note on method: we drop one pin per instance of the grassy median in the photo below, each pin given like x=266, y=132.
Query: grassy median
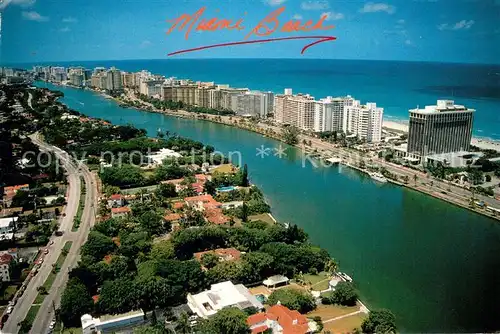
x=81, y=205
x=45, y=288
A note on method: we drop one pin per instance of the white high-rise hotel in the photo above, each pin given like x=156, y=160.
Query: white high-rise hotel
x=329, y=114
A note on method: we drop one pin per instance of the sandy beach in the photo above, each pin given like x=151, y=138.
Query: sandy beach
x=483, y=143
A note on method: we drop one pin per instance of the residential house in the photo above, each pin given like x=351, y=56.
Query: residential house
x=111, y=323
x=120, y=212
x=115, y=200
x=221, y=295
x=5, y=260
x=174, y=220
x=202, y=202
x=224, y=254
x=280, y=320
x=215, y=216
x=7, y=228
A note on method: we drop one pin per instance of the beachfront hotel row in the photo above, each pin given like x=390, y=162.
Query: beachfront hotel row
x=439, y=132
x=302, y=111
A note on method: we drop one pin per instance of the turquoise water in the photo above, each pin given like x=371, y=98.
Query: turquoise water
x=436, y=266
x=225, y=189
x=395, y=86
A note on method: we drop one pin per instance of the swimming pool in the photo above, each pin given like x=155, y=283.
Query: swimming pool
x=261, y=298
x=225, y=189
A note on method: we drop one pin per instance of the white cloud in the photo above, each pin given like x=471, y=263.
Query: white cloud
x=65, y=29
x=372, y=7
x=401, y=21
x=145, y=44
x=22, y=3
x=460, y=25
x=274, y=2
x=297, y=17
x=69, y=19
x=315, y=5
x=34, y=16
x=332, y=16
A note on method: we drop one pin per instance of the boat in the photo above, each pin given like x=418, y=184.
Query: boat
x=378, y=177
x=345, y=277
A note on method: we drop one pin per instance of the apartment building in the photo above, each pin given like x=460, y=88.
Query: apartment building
x=296, y=110
x=252, y=104
x=364, y=121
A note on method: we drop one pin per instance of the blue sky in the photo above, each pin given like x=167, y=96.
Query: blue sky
x=417, y=30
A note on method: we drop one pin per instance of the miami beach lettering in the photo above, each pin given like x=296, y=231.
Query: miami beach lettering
x=266, y=27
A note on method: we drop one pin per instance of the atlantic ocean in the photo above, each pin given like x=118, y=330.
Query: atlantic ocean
x=394, y=85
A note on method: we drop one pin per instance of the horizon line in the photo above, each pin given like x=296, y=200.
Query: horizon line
x=245, y=58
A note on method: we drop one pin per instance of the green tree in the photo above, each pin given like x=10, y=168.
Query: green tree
x=244, y=212
x=230, y=320
x=209, y=260
x=166, y=190
x=293, y=299
x=244, y=176
x=344, y=294
x=379, y=321
x=290, y=135
x=98, y=245
x=210, y=188
x=75, y=302
x=182, y=325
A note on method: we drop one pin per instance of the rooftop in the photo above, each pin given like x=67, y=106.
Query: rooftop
x=172, y=217
x=5, y=258
x=442, y=106
x=7, y=222
x=120, y=210
x=226, y=254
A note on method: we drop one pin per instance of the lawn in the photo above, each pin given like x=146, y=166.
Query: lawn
x=327, y=312
x=345, y=325
x=50, y=279
x=265, y=217
x=318, y=282
x=133, y=191
x=226, y=168
x=30, y=317
x=79, y=212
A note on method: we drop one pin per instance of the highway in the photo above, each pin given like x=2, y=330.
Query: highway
x=24, y=303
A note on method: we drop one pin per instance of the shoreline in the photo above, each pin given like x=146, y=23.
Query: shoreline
x=229, y=121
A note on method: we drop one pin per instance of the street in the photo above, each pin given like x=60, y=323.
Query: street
x=46, y=312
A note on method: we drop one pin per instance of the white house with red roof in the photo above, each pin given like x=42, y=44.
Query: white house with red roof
x=116, y=200
x=280, y=320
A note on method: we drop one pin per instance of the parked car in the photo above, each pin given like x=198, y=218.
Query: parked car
x=9, y=309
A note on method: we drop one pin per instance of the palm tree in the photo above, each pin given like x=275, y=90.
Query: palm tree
x=331, y=266
x=142, y=192
x=183, y=326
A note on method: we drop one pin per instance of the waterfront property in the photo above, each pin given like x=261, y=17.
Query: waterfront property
x=220, y=295
x=279, y=319
x=442, y=128
x=412, y=216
